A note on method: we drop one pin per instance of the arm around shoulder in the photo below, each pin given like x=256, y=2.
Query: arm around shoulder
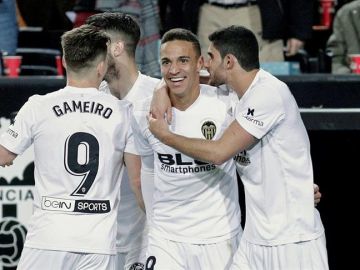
x=234, y=140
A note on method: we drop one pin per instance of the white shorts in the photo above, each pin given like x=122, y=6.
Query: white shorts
x=133, y=260
x=308, y=255
x=40, y=259
x=164, y=254
x=135, y=256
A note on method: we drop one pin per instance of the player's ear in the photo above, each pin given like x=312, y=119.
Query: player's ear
x=101, y=68
x=200, y=64
x=63, y=62
x=229, y=61
x=117, y=48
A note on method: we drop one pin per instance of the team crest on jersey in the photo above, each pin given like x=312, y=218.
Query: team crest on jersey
x=208, y=129
x=137, y=266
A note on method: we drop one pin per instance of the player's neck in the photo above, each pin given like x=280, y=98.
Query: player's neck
x=240, y=84
x=126, y=80
x=83, y=83
x=182, y=102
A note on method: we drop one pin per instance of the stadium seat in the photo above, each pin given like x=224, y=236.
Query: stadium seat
x=40, y=61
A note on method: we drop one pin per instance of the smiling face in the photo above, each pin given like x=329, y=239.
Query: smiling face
x=180, y=67
x=215, y=66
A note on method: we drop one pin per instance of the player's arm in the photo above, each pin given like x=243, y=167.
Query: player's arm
x=147, y=182
x=133, y=165
x=6, y=157
x=160, y=103
x=234, y=140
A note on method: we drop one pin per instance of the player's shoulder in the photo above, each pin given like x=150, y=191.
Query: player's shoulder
x=215, y=92
x=142, y=105
x=37, y=98
x=207, y=90
x=145, y=84
x=104, y=87
x=267, y=87
x=90, y=94
x=266, y=80
x=141, y=109
x=148, y=80
x=124, y=104
x=267, y=92
x=217, y=95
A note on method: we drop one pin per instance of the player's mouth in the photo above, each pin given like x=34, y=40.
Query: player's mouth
x=177, y=81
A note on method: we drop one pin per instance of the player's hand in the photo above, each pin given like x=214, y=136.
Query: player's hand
x=160, y=104
x=6, y=157
x=7, y=164
x=158, y=127
x=317, y=194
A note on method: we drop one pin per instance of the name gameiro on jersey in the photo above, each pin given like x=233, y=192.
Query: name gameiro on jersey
x=82, y=107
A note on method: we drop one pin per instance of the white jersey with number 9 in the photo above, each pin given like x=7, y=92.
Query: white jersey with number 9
x=79, y=136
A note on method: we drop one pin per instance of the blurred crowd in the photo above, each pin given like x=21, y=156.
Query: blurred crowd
x=283, y=28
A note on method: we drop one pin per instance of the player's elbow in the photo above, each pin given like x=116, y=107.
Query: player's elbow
x=218, y=158
x=219, y=161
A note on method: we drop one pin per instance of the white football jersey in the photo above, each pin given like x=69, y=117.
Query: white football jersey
x=131, y=219
x=277, y=171
x=79, y=136
x=193, y=201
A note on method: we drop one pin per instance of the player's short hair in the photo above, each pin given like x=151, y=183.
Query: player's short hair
x=240, y=42
x=82, y=46
x=183, y=35
x=120, y=23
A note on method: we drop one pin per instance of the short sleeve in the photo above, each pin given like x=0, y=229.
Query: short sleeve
x=260, y=111
x=19, y=135
x=130, y=144
x=139, y=127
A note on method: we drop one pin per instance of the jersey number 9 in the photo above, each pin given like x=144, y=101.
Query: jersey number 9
x=82, y=159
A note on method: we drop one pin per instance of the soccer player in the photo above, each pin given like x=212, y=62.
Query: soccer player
x=124, y=81
x=195, y=220
x=81, y=137
x=283, y=230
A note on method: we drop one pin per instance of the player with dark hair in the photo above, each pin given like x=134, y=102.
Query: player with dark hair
x=283, y=230
x=124, y=81
x=195, y=211
x=81, y=137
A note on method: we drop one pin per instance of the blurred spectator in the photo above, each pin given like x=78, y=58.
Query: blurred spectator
x=272, y=21
x=345, y=38
x=179, y=14
x=47, y=14
x=146, y=12
x=8, y=27
x=19, y=18
x=81, y=11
